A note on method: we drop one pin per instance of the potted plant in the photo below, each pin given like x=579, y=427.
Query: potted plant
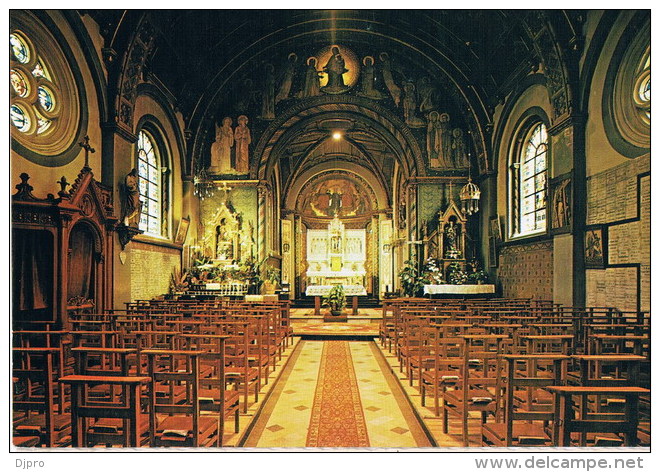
x=271, y=279
x=411, y=282
x=335, y=300
x=178, y=281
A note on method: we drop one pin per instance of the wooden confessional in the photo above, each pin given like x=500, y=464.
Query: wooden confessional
x=62, y=251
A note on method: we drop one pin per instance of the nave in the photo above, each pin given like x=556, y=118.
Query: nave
x=447, y=373
x=337, y=394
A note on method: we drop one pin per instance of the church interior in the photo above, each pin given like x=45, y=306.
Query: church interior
x=330, y=229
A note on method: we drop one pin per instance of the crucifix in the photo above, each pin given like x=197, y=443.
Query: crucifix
x=88, y=148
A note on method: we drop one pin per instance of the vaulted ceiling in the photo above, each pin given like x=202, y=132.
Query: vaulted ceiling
x=202, y=57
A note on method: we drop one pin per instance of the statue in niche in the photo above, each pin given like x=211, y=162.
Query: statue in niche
x=434, y=141
x=427, y=94
x=287, y=80
x=224, y=247
x=221, y=148
x=410, y=106
x=368, y=80
x=311, y=86
x=458, y=152
x=402, y=213
x=335, y=68
x=335, y=244
x=392, y=87
x=451, y=235
x=268, y=96
x=242, y=139
x=131, y=203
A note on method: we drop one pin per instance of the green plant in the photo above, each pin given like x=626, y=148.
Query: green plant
x=478, y=276
x=455, y=274
x=411, y=281
x=273, y=275
x=335, y=299
x=178, y=280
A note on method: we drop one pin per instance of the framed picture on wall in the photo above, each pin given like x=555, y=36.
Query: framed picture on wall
x=182, y=231
x=595, y=247
x=495, y=229
x=560, y=208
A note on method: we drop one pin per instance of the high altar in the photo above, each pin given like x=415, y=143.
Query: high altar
x=336, y=255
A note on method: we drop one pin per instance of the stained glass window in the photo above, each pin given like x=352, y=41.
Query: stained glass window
x=28, y=73
x=19, y=118
x=529, y=183
x=642, y=90
x=19, y=48
x=19, y=83
x=148, y=167
x=46, y=98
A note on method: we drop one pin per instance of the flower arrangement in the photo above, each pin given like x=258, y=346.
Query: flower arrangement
x=476, y=274
x=411, y=282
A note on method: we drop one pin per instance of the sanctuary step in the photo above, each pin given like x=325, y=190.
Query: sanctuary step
x=363, y=302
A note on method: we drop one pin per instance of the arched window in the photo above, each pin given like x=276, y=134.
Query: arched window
x=529, y=182
x=153, y=186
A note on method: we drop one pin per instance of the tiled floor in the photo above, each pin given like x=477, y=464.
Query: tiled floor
x=285, y=418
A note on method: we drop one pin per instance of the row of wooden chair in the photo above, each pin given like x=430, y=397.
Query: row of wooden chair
x=517, y=364
x=145, y=376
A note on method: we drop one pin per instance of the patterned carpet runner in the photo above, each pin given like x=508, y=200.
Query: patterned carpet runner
x=337, y=419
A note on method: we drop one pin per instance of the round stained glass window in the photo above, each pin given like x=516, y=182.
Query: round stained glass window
x=19, y=48
x=20, y=118
x=19, y=83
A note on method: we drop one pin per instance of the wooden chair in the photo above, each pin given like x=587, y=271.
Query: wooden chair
x=525, y=417
x=125, y=407
x=34, y=381
x=572, y=400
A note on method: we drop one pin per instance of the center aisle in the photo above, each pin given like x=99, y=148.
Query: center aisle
x=337, y=394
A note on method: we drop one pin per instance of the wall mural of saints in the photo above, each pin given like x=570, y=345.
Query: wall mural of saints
x=335, y=196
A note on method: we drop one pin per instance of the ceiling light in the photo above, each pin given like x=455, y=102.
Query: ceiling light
x=336, y=135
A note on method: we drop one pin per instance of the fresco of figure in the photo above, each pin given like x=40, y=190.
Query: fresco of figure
x=369, y=79
x=410, y=106
x=268, y=95
x=434, y=137
x=459, y=152
x=287, y=80
x=335, y=68
x=242, y=139
x=392, y=87
x=311, y=86
x=221, y=148
x=428, y=95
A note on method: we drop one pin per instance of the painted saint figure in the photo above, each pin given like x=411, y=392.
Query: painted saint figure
x=368, y=80
x=268, y=96
x=221, y=148
x=459, y=153
x=335, y=68
x=243, y=139
x=434, y=141
x=287, y=81
x=410, y=106
x=392, y=87
x=311, y=87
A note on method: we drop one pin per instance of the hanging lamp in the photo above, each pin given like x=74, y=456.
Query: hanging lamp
x=470, y=195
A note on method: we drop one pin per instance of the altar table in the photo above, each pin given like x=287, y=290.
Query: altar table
x=318, y=291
